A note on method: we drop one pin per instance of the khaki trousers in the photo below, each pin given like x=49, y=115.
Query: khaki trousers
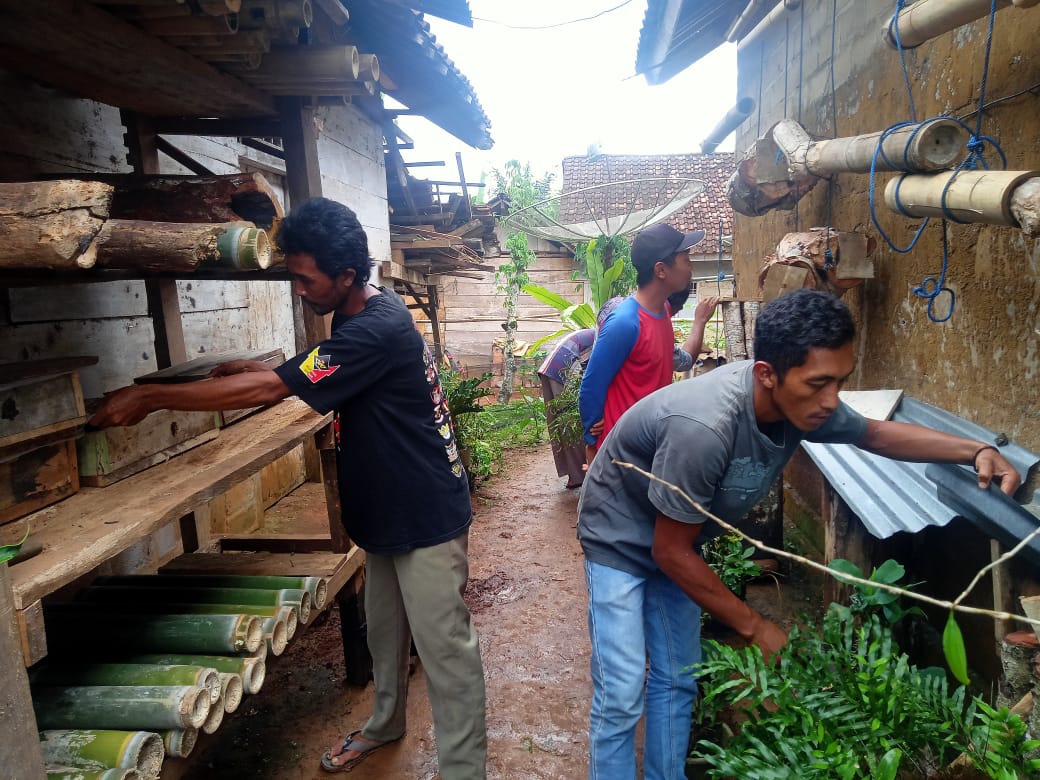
x=418, y=595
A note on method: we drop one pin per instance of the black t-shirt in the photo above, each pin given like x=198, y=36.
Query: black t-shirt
x=401, y=482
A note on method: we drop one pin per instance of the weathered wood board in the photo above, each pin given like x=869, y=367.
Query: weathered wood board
x=199, y=368
x=37, y=478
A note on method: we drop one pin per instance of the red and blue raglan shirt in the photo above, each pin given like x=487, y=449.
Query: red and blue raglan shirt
x=632, y=357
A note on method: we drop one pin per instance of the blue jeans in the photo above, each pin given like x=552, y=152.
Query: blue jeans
x=632, y=619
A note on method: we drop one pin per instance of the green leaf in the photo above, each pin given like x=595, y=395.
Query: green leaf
x=843, y=566
x=889, y=572
x=548, y=297
x=9, y=551
x=953, y=649
x=888, y=766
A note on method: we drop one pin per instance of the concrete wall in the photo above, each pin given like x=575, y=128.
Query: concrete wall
x=982, y=364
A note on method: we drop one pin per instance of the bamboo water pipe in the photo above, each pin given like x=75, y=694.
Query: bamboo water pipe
x=990, y=197
x=130, y=674
x=144, y=707
x=179, y=742
x=252, y=669
x=730, y=122
x=204, y=634
x=90, y=748
x=927, y=19
x=318, y=587
x=112, y=593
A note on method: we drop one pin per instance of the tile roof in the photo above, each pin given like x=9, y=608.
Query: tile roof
x=705, y=211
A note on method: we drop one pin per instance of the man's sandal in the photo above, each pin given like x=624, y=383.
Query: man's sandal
x=356, y=743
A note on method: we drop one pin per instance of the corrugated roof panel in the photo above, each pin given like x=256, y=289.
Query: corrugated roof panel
x=677, y=33
x=891, y=496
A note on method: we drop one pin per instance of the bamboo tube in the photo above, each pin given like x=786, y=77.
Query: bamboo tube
x=730, y=122
x=206, y=634
x=252, y=669
x=144, y=707
x=251, y=42
x=231, y=690
x=130, y=674
x=927, y=19
x=973, y=196
x=318, y=587
x=287, y=612
x=215, y=717
x=275, y=634
x=96, y=748
x=179, y=742
x=195, y=26
x=159, y=246
x=284, y=15
x=244, y=247
x=70, y=773
x=368, y=67
x=310, y=63
x=135, y=594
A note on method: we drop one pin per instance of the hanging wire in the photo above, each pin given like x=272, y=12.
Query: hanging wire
x=801, y=58
x=828, y=256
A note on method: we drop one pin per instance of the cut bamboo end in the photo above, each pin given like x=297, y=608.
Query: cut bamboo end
x=244, y=248
x=305, y=608
x=86, y=748
x=179, y=742
x=292, y=621
x=368, y=67
x=320, y=592
x=215, y=717
x=194, y=707
x=249, y=633
x=231, y=690
x=275, y=635
x=254, y=678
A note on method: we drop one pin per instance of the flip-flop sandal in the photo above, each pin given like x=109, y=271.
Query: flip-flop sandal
x=355, y=742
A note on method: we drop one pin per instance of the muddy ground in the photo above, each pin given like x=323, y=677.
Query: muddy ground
x=527, y=595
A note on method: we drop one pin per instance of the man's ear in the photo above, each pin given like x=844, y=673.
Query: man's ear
x=347, y=277
x=765, y=374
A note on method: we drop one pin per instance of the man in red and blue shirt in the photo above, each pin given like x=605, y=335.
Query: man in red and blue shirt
x=632, y=356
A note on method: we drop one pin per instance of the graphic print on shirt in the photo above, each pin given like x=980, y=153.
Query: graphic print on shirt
x=441, y=415
x=743, y=477
x=316, y=367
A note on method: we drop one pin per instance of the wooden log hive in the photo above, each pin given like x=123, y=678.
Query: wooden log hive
x=52, y=225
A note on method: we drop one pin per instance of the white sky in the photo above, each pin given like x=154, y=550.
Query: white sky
x=550, y=93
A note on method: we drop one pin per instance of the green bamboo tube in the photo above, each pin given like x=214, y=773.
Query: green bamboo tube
x=231, y=690
x=130, y=674
x=100, y=748
x=208, y=634
x=318, y=587
x=70, y=773
x=244, y=247
x=216, y=715
x=289, y=612
x=144, y=707
x=179, y=742
x=133, y=594
x=252, y=669
x=275, y=634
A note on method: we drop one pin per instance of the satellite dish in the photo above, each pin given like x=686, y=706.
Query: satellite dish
x=616, y=208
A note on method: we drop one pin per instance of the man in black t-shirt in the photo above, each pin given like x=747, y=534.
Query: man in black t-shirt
x=403, y=491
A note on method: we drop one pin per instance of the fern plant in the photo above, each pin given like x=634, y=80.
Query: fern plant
x=564, y=424
x=843, y=702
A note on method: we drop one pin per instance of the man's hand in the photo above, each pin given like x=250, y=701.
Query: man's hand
x=126, y=406
x=767, y=636
x=991, y=465
x=596, y=428
x=705, y=310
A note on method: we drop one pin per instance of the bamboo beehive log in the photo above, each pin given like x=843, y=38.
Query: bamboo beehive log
x=251, y=42
x=139, y=707
x=318, y=587
x=129, y=674
x=160, y=246
x=368, y=67
x=284, y=16
x=216, y=715
x=99, y=748
x=972, y=196
x=309, y=63
x=275, y=634
x=179, y=742
x=252, y=669
x=52, y=224
x=231, y=690
x=203, y=634
x=927, y=19
x=73, y=773
x=137, y=594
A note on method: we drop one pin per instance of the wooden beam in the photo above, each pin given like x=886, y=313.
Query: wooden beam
x=276, y=543
x=20, y=748
x=91, y=53
x=181, y=158
x=263, y=146
x=258, y=127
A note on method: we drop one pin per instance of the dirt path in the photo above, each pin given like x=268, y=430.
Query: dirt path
x=527, y=595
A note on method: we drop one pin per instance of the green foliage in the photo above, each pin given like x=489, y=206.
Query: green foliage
x=866, y=599
x=9, y=551
x=500, y=427
x=607, y=263
x=842, y=701
x=463, y=394
x=729, y=558
x=566, y=428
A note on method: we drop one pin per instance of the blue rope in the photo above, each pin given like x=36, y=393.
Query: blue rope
x=931, y=288
x=894, y=27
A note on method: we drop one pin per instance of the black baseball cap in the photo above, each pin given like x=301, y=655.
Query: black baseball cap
x=659, y=242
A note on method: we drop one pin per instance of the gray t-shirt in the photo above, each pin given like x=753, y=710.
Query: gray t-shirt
x=700, y=435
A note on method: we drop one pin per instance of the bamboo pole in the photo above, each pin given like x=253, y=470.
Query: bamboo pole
x=195, y=26
x=309, y=63
x=205, y=634
x=215, y=717
x=275, y=634
x=318, y=587
x=282, y=15
x=368, y=67
x=179, y=742
x=231, y=690
x=95, y=748
x=972, y=196
x=730, y=122
x=144, y=707
x=287, y=613
x=72, y=773
x=261, y=597
x=130, y=674
x=252, y=669
x=927, y=19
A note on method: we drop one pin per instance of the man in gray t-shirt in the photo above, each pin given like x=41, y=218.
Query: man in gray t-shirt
x=722, y=438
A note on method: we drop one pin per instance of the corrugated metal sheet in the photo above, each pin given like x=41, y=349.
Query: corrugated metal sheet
x=677, y=33
x=891, y=496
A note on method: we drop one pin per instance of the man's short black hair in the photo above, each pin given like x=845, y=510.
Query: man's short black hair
x=789, y=326
x=329, y=232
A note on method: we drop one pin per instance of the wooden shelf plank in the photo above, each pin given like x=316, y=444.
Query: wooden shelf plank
x=86, y=529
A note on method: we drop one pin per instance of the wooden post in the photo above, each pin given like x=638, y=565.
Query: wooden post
x=435, y=323
x=20, y=747
x=844, y=537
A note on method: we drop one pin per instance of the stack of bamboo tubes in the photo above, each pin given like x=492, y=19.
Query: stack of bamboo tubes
x=179, y=652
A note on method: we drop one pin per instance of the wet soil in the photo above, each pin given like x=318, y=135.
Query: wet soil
x=527, y=596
